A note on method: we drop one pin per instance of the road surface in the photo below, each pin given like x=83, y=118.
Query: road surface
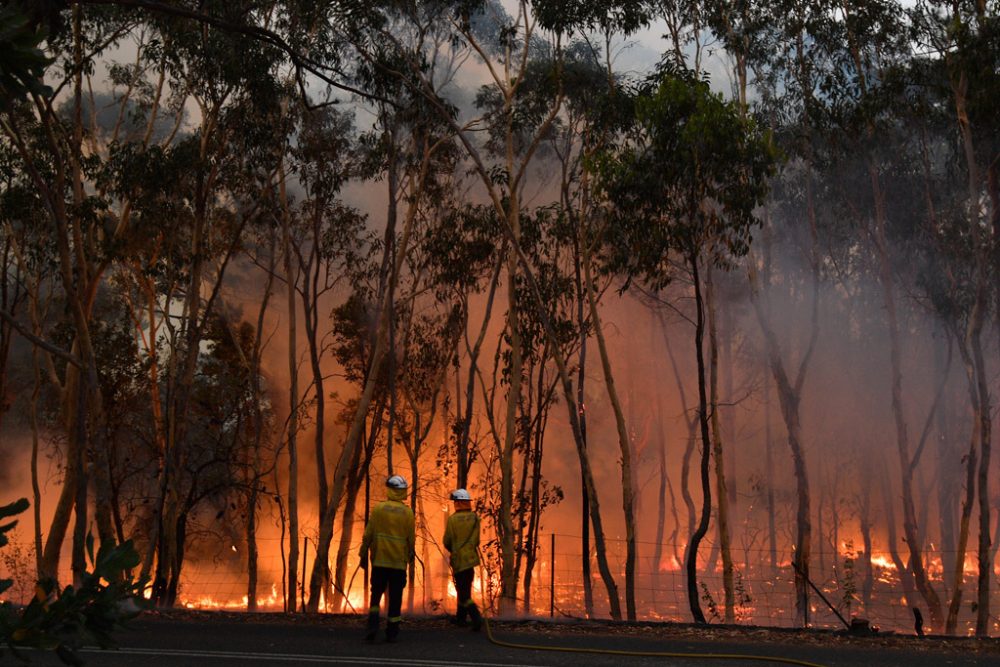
x=234, y=640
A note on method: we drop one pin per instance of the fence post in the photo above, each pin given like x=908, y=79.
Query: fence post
x=552, y=579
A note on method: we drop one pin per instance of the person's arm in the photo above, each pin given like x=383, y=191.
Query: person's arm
x=412, y=539
x=447, y=535
x=366, y=541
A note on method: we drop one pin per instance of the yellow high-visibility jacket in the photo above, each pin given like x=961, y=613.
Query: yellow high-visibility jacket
x=389, y=534
x=461, y=538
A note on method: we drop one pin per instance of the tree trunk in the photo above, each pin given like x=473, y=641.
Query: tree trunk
x=984, y=248
x=624, y=443
x=691, y=556
x=788, y=400
x=661, y=504
x=949, y=482
x=902, y=439
x=530, y=544
x=692, y=426
x=80, y=525
x=464, y=462
x=958, y=571
x=720, y=476
x=581, y=378
x=352, y=440
x=985, y=446
x=508, y=576
x=902, y=568
x=252, y=549
x=36, y=492
x=772, y=531
x=865, y=525
x=291, y=277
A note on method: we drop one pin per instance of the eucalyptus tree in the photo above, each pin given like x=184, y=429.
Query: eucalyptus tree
x=465, y=256
x=959, y=71
x=221, y=177
x=323, y=236
x=778, y=56
x=322, y=162
x=857, y=48
x=684, y=188
x=595, y=107
x=50, y=147
x=413, y=148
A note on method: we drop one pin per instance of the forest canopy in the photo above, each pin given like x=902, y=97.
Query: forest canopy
x=258, y=255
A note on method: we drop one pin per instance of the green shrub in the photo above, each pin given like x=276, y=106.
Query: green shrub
x=65, y=620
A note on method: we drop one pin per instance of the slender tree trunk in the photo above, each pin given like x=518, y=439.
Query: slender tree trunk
x=252, y=549
x=902, y=438
x=346, y=534
x=310, y=309
x=36, y=492
x=902, y=568
x=80, y=525
x=661, y=503
x=508, y=582
x=948, y=486
x=581, y=379
x=291, y=278
x=414, y=472
x=958, y=566
x=352, y=440
x=544, y=400
x=788, y=400
x=720, y=476
x=985, y=446
x=464, y=462
x=624, y=443
x=985, y=248
x=865, y=525
x=691, y=557
x=772, y=530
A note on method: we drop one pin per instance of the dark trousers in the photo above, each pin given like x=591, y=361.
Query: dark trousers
x=463, y=586
x=394, y=580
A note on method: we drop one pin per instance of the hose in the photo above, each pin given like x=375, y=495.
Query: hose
x=640, y=654
x=646, y=654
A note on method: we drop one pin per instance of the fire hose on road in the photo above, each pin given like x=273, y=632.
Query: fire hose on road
x=638, y=654
x=646, y=654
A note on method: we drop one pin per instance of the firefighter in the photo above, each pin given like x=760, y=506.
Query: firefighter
x=389, y=540
x=461, y=539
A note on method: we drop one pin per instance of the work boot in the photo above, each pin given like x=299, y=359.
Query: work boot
x=459, y=617
x=372, y=627
x=391, y=631
x=477, y=618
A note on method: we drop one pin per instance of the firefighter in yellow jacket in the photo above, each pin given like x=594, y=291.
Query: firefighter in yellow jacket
x=461, y=539
x=389, y=540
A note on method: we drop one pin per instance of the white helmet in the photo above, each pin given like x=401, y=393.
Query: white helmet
x=396, y=482
x=460, y=494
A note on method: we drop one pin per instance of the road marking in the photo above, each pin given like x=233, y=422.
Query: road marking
x=291, y=657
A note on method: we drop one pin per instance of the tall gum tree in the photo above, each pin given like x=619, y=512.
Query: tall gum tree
x=684, y=186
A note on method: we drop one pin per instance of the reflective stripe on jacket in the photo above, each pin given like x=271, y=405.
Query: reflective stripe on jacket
x=389, y=534
x=461, y=538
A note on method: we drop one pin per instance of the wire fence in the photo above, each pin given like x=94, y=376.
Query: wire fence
x=764, y=592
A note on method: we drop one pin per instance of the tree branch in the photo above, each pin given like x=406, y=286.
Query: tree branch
x=39, y=342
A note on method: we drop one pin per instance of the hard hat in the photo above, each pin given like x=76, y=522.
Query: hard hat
x=460, y=494
x=396, y=482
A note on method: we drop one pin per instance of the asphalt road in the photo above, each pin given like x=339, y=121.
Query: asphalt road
x=232, y=642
